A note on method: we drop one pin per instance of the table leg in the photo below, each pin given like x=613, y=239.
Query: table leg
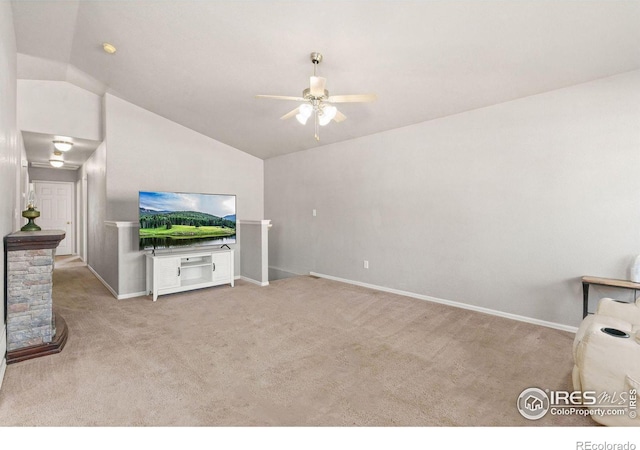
x=585, y=299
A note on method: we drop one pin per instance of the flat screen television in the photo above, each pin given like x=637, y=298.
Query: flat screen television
x=173, y=219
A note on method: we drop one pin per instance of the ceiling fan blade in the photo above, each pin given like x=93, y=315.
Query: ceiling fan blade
x=290, y=114
x=353, y=98
x=316, y=86
x=339, y=117
x=281, y=97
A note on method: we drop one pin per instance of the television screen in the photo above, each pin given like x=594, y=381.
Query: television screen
x=170, y=219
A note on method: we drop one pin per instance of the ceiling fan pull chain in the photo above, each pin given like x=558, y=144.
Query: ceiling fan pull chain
x=317, y=131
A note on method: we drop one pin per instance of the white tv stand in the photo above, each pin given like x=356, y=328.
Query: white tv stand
x=179, y=271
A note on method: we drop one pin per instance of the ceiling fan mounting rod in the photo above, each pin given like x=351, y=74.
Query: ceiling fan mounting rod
x=316, y=58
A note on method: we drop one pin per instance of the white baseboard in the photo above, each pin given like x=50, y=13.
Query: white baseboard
x=133, y=295
x=493, y=312
x=284, y=270
x=113, y=292
x=252, y=281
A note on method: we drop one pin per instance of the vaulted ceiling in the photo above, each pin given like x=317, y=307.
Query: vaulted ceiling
x=201, y=63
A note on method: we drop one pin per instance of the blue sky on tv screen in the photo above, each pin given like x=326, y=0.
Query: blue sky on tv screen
x=215, y=204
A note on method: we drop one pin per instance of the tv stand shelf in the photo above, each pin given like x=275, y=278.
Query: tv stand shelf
x=198, y=263
x=172, y=272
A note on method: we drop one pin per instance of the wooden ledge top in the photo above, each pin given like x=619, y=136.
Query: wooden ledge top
x=611, y=282
x=33, y=240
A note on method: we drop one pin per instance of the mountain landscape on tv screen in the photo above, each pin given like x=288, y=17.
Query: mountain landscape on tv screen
x=158, y=219
x=168, y=219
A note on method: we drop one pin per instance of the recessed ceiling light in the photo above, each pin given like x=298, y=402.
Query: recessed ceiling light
x=109, y=48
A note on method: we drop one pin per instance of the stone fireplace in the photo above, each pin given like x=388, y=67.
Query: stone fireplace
x=33, y=328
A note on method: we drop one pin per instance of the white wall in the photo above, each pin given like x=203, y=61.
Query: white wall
x=9, y=150
x=95, y=172
x=145, y=151
x=504, y=207
x=59, y=108
x=254, y=236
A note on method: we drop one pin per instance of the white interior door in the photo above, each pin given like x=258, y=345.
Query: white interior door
x=55, y=203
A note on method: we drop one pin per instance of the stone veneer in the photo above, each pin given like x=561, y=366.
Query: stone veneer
x=30, y=319
x=31, y=322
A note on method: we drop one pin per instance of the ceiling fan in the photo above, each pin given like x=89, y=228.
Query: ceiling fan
x=317, y=102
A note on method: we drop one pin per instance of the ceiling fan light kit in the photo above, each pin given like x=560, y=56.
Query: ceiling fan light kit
x=317, y=102
x=327, y=114
x=304, y=112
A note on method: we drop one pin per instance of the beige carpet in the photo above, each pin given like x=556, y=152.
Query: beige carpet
x=300, y=352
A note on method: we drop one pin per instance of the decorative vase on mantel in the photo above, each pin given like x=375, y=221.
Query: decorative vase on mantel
x=31, y=213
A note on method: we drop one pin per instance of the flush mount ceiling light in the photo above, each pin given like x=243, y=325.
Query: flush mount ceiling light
x=109, y=48
x=317, y=102
x=56, y=159
x=63, y=146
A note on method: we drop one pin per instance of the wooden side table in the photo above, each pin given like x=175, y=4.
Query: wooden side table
x=610, y=282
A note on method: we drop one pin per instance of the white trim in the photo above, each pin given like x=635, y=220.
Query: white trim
x=113, y=292
x=135, y=294
x=285, y=270
x=493, y=312
x=253, y=222
x=252, y=281
x=85, y=218
x=188, y=249
x=78, y=232
x=117, y=224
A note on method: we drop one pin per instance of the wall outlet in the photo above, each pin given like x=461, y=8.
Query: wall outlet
x=314, y=213
x=366, y=264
